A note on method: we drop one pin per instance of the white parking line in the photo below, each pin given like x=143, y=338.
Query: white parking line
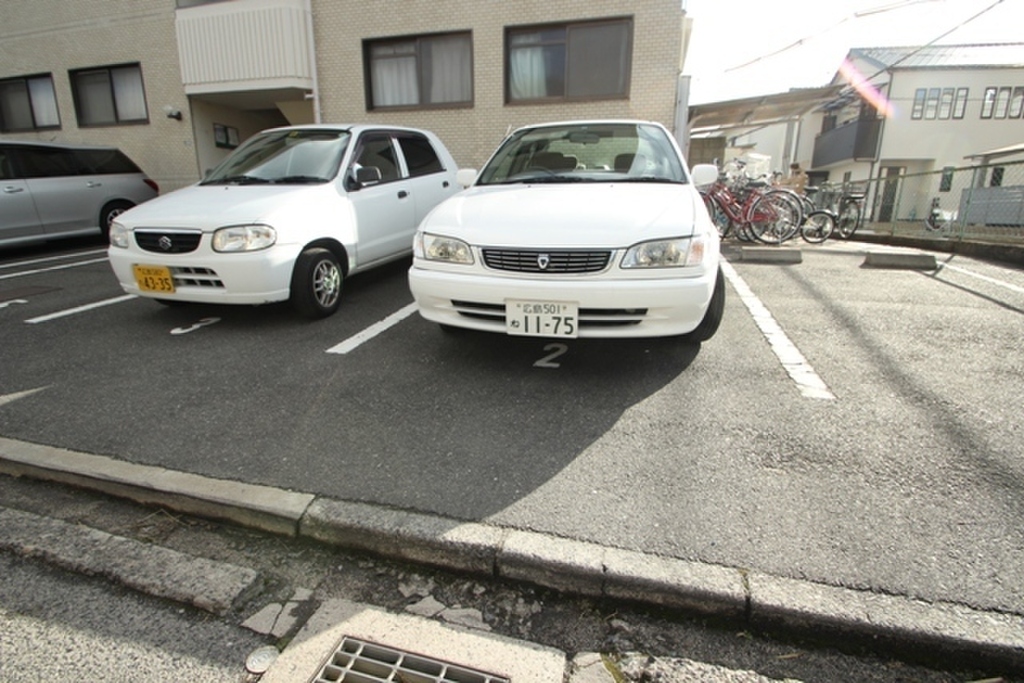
x=373, y=330
x=986, y=278
x=46, y=270
x=61, y=257
x=801, y=372
x=79, y=309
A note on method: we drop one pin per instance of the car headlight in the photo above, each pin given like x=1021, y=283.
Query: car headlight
x=674, y=253
x=244, y=238
x=120, y=236
x=439, y=248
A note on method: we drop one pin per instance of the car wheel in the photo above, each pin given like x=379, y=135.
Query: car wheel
x=316, y=283
x=110, y=211
x=713, y=316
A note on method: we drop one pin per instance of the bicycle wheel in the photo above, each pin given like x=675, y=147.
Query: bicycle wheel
x=818, y=226
x=774, y=217
x=718, y=216
x=849, y=218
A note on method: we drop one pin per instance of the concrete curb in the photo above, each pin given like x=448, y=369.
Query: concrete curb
x=754, y=600
x=214, y=586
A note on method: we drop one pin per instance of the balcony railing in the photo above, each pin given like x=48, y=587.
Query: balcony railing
x=854, y=141
x=244, y=45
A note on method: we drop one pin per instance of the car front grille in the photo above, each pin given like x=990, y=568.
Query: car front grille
x=546, y=261
x=195, y=277
x=589, y=317
x=168, y=241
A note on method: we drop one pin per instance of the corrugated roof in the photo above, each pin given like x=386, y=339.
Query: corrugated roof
x=943, y=56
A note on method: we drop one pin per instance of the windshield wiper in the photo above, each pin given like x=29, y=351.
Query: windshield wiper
x=650, y=179
x=237, y=180
x=298, y=179
x=546, y=179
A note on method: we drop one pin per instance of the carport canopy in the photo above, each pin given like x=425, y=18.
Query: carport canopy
x=760, y=111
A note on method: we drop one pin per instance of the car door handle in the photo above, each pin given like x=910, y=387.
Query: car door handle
x=10, y=189
x=402, y=194
x=93, y=183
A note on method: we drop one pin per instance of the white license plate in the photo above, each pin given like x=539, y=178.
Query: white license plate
x=541, y=318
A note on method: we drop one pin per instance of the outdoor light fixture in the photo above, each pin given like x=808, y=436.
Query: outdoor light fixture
x=172, y=113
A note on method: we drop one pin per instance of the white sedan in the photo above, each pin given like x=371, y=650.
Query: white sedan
x=575, y=229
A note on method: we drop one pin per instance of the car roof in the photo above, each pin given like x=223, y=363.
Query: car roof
x=52, y=145
x=349, y=127
x=589, y=122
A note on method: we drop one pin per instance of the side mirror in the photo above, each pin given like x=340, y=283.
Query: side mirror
x=465, y=176
x=367, y=175
x=704, y=174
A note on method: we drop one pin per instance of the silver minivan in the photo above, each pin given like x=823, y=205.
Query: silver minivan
x=49, y=190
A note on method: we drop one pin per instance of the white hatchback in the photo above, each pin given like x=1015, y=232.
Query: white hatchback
x=287, y=216
x=575, y=229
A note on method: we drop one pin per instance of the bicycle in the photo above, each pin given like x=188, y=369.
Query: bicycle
x=752, y=210
x=939, y=220
x=817, y=224
x=845, y=207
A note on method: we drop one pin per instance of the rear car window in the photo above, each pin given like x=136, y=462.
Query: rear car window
x=105, y=161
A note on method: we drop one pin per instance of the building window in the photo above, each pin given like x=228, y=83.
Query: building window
x=28, y=104
x=997, y=177
x=931, y=105
x=571, y=61
x=425, y=71
x=920, y=95
x=946, y=103
x=110, y=95
x=946, y=181
x=960, y=103
x=1002, y=103
x=989, y=103
x=1016, y=103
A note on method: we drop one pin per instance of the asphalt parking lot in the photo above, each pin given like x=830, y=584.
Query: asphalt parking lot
x=849, y=426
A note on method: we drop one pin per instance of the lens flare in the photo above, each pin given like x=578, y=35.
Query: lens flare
x=865, y=89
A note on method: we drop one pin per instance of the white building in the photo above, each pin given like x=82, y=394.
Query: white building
x=178, y=83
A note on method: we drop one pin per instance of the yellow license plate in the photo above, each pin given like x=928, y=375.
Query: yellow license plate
x=154, y=279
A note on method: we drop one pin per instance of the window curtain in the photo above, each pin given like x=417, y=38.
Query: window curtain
x=14, y=106
x=95, y=105
x=129, y=96
x=393, y=74
x=44, y=102
x=448, y=69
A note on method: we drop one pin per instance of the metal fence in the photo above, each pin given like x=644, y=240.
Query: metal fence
x=972, y=203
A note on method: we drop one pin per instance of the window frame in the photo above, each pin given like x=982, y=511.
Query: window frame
x=917, y=109
x=960, y=102
x=988, y=103
x=567, y=85
x=77, y=87
x=422, y=78
x=33, y=105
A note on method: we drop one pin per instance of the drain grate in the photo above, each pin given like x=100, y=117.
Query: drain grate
x=360, y=661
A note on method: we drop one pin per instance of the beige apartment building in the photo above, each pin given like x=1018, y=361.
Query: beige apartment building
x=177, y=84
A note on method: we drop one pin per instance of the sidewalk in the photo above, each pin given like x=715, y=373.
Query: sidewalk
x=750, y=600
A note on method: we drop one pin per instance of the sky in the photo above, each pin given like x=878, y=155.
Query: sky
x=743, y=48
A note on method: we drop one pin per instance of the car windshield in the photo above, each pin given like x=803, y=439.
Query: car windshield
x=284, y=157
x=597, y=152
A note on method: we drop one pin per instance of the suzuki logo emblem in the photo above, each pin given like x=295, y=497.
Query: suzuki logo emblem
x=543, y=261
x=165, y=243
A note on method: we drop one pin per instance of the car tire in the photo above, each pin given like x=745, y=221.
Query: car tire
x=110, y=211
x=713, y=316
x=316, y=283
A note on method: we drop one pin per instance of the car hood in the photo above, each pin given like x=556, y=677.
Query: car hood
x=209, y=207
x=567, y=215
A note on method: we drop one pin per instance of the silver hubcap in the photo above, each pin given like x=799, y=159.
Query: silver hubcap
x=326, y=283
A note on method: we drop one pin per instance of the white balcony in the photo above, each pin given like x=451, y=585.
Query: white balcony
x=244, y=46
